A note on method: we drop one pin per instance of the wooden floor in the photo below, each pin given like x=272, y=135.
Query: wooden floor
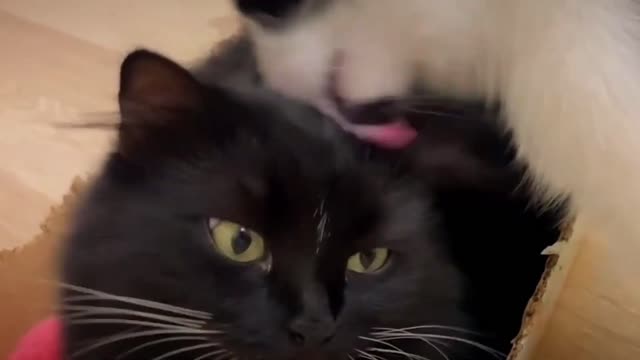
x=59, y=64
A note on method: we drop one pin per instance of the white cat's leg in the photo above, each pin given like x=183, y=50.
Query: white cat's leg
x=572, y=96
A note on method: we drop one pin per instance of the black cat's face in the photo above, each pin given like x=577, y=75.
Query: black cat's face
x=304, y=270
x=221, y=229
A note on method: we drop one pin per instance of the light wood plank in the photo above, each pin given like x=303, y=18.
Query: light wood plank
x=47, y=79
x=181, y=29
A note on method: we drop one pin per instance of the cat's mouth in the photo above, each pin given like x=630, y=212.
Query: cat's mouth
x=379, y=122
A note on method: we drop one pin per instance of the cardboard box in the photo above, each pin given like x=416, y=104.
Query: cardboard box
x=27, y=277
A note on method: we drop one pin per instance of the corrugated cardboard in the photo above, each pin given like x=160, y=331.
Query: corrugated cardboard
x=28, y=274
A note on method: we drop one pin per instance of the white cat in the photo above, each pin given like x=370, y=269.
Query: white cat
x=566, y=71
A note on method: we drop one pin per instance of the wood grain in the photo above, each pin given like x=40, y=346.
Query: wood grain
x=59, y=64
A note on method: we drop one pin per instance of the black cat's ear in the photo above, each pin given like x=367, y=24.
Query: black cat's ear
x=155, y=93
x=156, y=83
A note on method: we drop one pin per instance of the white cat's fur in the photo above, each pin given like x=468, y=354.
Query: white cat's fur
x=566, y=71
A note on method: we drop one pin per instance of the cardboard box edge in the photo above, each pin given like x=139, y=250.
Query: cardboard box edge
x=542, y=303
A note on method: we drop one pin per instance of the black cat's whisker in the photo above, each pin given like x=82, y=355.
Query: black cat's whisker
x=220, y=355
x=100, y=295
x=366, y=355
x=160, y=341
x=142, y=303
x=433, y=101
x=226, y=357
x=150, y=324
x=429, y=327
x=186, y=349
x=422, y=97
x=406, y=335
x=88, y=311
x=397, y=352
x=95, y=125
x=431, y=343
x=392, y=348
x=424, y=111
x=109, y=120
x=128, y=336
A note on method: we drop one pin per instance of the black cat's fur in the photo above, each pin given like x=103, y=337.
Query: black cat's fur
x=465, y=243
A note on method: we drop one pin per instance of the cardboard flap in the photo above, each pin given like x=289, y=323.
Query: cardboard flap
x=542, y=303
x=28, y=274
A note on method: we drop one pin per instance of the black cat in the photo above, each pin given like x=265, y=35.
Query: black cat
x=230, y=223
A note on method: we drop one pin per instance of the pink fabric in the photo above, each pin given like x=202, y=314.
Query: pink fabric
x=42, y=342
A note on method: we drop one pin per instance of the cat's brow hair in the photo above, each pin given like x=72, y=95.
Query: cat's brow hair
x=323, y=216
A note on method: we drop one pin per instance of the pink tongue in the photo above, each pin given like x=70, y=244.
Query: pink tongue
x=394, y=135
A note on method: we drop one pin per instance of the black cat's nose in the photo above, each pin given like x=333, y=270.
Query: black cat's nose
x=311, y=332
x=272, y=8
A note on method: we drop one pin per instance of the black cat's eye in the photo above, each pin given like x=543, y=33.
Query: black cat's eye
x=275, y=9
x=369, y=261
x=237, y=243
